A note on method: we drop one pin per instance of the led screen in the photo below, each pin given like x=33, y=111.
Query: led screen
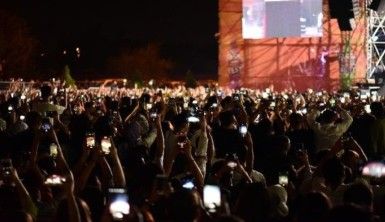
x=281, y=18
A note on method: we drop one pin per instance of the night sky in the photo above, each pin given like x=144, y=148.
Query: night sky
x=184, y=28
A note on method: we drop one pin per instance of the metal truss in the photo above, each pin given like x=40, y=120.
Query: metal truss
x=375, y=40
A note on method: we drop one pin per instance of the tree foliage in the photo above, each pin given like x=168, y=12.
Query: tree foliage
x=68, y=77
x=145, y=62
x=17, y=46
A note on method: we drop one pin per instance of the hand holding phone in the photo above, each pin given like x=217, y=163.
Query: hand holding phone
x=55, y=180
x=6, y=167
x=46, y=125
x=90, y=140
x=106, y=145
x=119, y=205
x=283, y=179
x=243, y=130
x=53, y=150
x=211, y=197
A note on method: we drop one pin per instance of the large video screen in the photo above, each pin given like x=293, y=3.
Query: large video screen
x=281, y=18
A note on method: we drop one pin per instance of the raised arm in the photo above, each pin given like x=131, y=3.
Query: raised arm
x=160, y=145
x=117, y=169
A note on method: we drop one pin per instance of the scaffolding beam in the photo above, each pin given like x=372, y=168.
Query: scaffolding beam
x=375, y=40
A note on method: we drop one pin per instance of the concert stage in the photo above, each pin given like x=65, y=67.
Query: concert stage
x=292, y=62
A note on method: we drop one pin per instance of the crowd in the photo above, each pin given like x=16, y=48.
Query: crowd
x=181, y=154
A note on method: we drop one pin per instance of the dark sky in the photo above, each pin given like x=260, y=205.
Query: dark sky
x=184, y=28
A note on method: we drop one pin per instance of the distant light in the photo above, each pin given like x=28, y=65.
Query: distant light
x=42, y=54
x=151, y=82
x=65, y=52
x=124, y=81
x=77, y=52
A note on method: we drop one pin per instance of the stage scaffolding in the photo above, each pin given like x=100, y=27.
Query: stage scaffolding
x=375, y=40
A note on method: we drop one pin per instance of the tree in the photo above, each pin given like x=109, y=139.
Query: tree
x=17, y=46
x=145, y=62
x=68, y=77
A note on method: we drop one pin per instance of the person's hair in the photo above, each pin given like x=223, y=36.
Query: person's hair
x=377, y=109
x=253, y=203
x=334, y=172
x=18, y=216
x=359, y=194
x=226, y=118
x=228, y=218
x=281, y=144
x=295, y=120
x=46, y=91
x=33, y=119
x=103, y=127
x=179, y=121
x=62, y=211
x=314, y=207
x=227, y=101
x=184, y=206
x=349, y=212
x=328, y=116
x=9, y=201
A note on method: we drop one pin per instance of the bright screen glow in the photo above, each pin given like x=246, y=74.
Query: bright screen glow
x=281, y=18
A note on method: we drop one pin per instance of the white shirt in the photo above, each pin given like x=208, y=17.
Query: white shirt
x=326, y=135
x=42, y=107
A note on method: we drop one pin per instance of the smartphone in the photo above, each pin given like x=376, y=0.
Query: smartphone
x=106, y=145
x=193, y=119
x=367, y=108
x=304, y=111
x=6, y=167
x=10, y=108
x=283, y=179
x=272, y=104
x=195, y=102
x=374, y=169
x=214, y=105
x=232, y=164
x=46, y=125
x=153, y=115
x=55, y=180
x=149, y=106
x=188, y=184
x=211, y=197
x=90, y=140
x=22, y=117
x=119, y=205
x=342, y=100
x=363, y=96
x=243, y=130
x=53, y=150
